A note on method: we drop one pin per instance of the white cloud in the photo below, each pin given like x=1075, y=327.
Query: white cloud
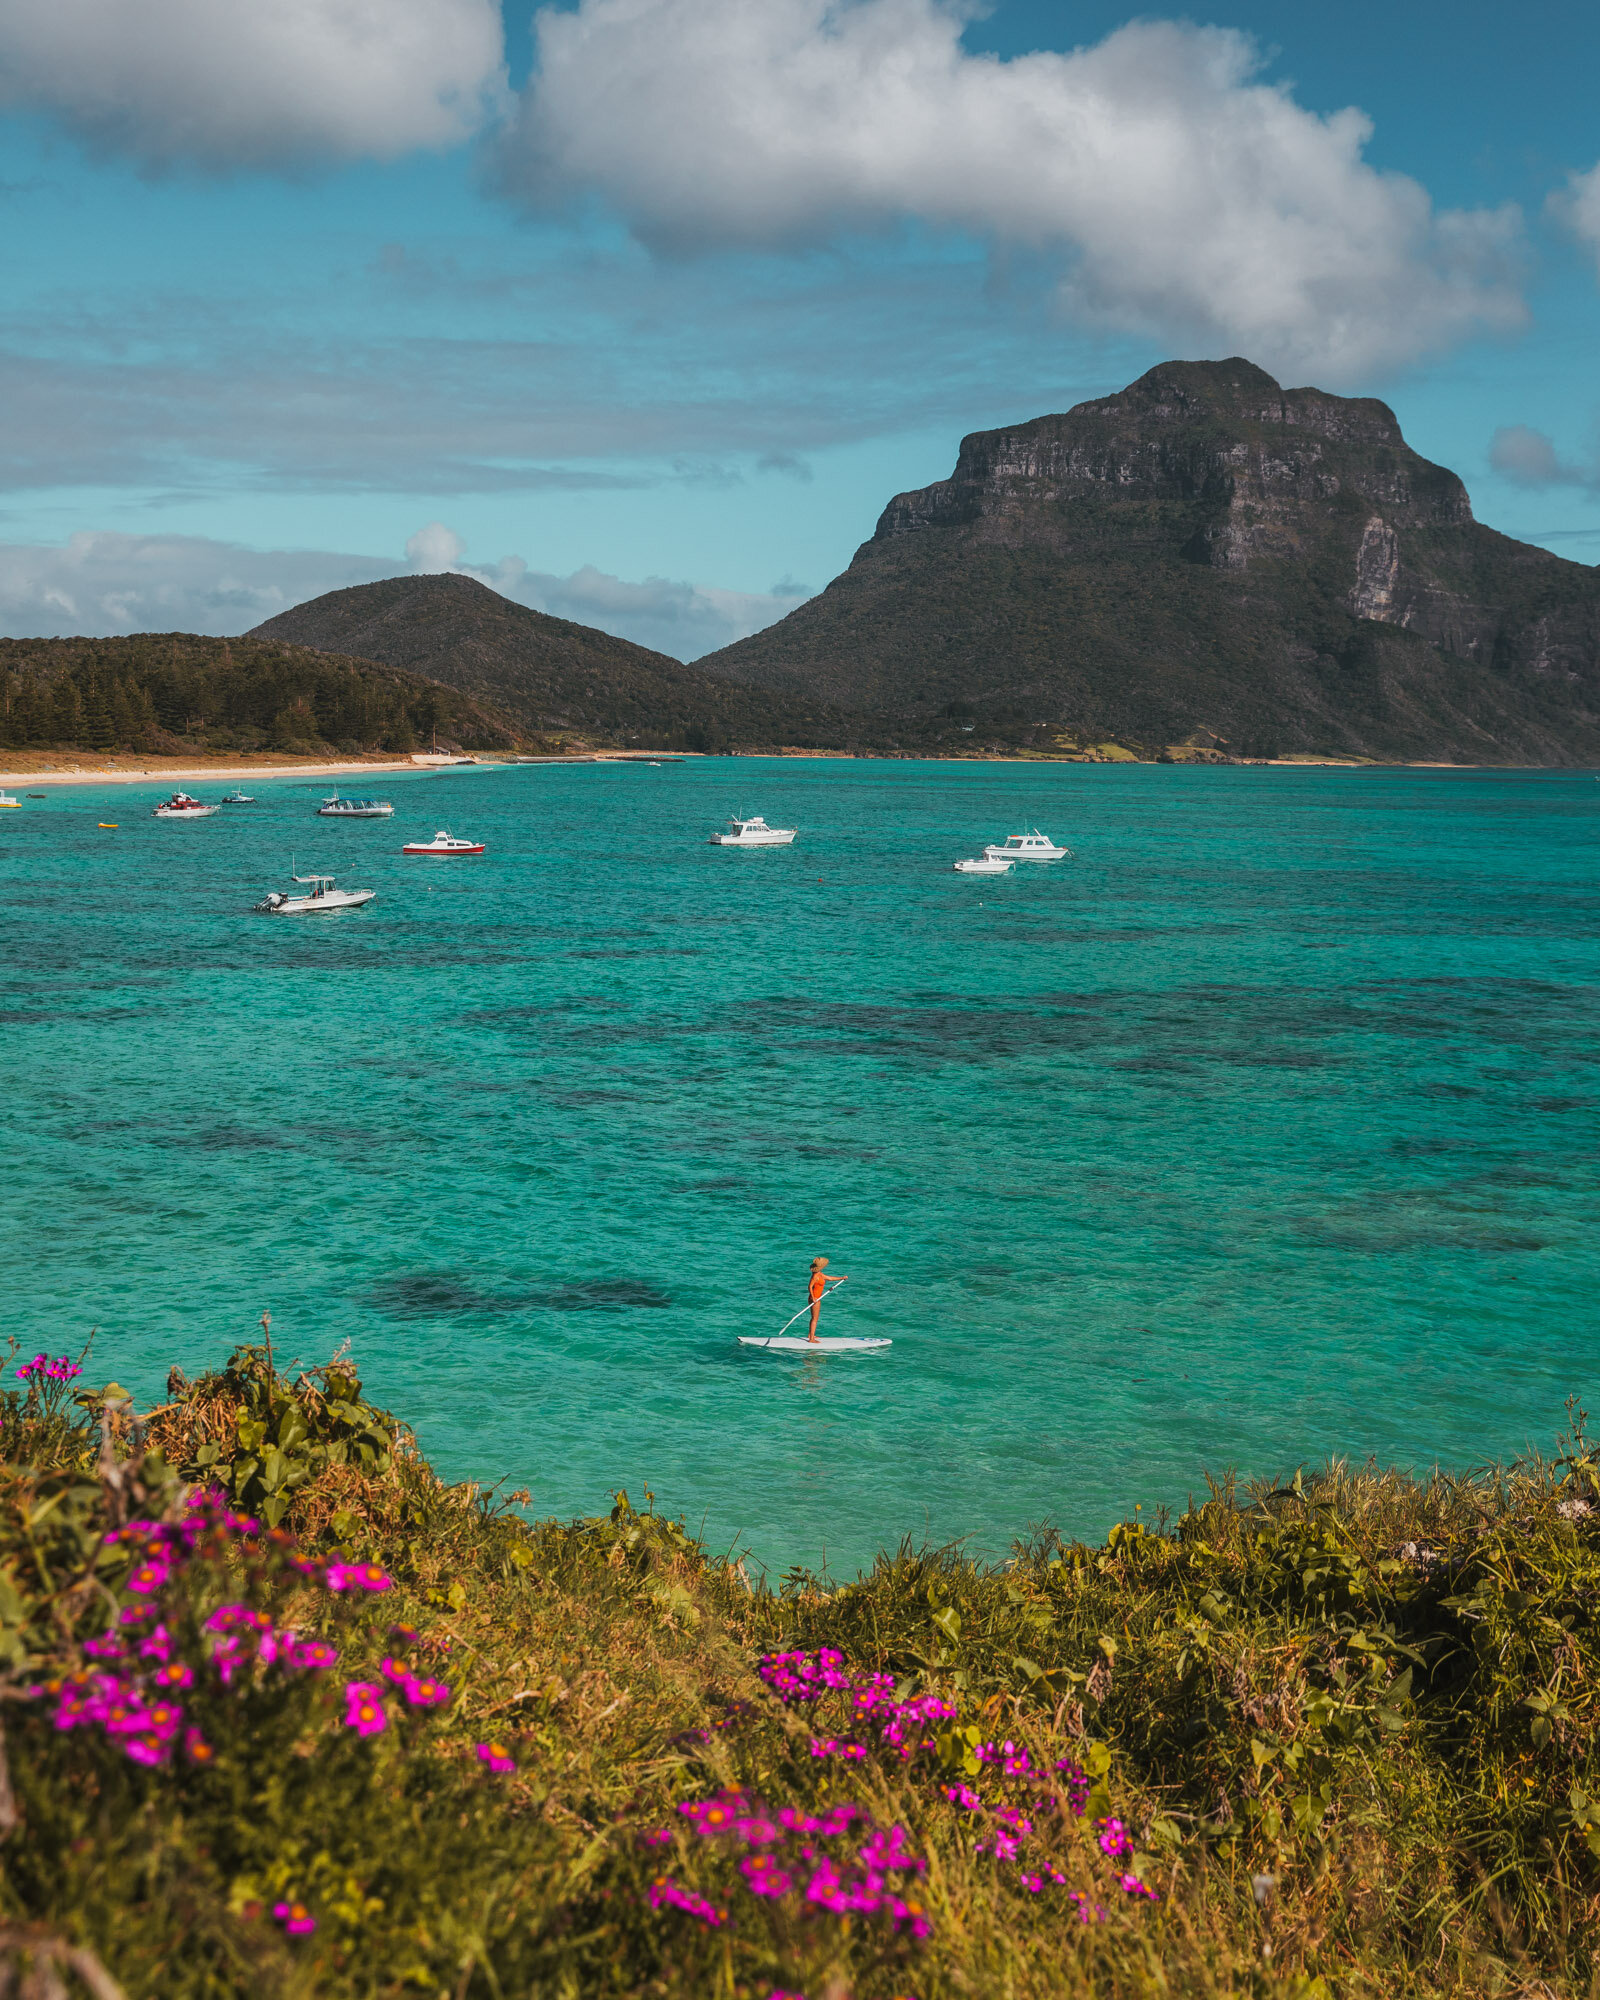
x=434, y=548
x=1578, y=206
x=255, y=83
x=1194, y=201
x=1531, y=459
x=106, y=584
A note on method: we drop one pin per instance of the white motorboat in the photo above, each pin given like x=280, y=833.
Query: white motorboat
x=443, y=843
x=181, y=806
x=7, y=800
x=754, y=833
x=1034, y=846
x=335, y=807
x=238, y=798
x=987, y=864
x=323, y=898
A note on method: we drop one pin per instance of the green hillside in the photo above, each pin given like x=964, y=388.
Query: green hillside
x=553, y=675
x=168, y=692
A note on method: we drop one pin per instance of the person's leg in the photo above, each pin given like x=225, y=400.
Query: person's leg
x=816, y=1308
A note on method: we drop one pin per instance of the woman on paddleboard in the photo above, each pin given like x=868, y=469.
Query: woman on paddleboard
x=818, y=1289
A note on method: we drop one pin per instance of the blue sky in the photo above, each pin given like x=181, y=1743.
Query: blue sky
x=643, y=310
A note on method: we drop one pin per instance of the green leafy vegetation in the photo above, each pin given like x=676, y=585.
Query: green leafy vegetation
x=167, y=692
x=285, y=1714
x=554, y=675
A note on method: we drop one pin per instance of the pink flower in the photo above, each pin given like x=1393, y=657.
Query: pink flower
x=356, y=1576
x=156, y=1644
x=363, y=1709
x=296, y=1919
x=763, y=1876
x=197, y=1749
x=147, y=1748
x=396, y=1672
x=1114, y=1841
x=147, y=1577
x=314, y=1655
x=661, y=1836
x=963, y=1796
x=496, y=1756
x=1131, y=1885
x=422, y=1692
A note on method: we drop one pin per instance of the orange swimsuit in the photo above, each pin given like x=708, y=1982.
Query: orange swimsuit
x=817, y=1287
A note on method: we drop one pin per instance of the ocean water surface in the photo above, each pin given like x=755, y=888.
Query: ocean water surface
x=1266, y=1128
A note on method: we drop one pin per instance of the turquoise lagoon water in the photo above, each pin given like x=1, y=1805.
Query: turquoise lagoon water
x=1263, y=1130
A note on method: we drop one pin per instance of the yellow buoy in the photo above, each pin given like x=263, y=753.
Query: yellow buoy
x=110, y=825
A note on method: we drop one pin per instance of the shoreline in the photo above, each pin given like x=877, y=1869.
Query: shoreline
x=181, y=771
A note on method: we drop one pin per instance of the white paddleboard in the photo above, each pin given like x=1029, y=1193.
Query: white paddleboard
x=798, y=1344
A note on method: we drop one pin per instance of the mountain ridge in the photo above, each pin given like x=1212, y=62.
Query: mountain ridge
x=1204, y=551
x=552, y=674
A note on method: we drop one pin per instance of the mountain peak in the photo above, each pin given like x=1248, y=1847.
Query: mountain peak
x=1206, y=550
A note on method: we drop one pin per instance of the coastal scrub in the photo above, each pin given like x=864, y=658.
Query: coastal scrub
x=284, y=1713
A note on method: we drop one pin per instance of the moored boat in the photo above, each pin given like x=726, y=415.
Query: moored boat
x=323, y=898
x=336, y=807
x=1034, y=846
x=238, y=798
x=987, y=864
x=7, y=800
x=181, y=806
x=753, y=833
x=443, y=843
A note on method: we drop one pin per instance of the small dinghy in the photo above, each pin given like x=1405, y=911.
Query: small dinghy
x=443, y=843
x=987, y=864
x=238, y=798
x=796, y=1343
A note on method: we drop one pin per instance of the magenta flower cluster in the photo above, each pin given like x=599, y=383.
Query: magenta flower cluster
x=787, y=1853
x=1021, y=1796
x=902, y=1726
x=43, y=1368
x=131, y=1692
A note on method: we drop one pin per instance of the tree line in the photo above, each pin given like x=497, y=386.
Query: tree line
x=166, y=692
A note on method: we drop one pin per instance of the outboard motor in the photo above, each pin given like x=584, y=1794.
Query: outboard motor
x=273, y=902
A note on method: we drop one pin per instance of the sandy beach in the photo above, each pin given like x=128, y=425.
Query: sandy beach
x=184, y=771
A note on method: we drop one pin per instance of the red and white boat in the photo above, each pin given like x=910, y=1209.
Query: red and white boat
x=181, y=806
x=443, y=843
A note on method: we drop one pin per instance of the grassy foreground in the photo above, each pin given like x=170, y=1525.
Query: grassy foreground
x=284, y=1714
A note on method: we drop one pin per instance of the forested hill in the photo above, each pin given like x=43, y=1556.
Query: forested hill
x=1204, y=556
x=552, y=674
x=168, y=692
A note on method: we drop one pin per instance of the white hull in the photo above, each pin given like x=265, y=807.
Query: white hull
x=989, y=866
x=786, y=1343
x=355, y=812
x=1026, y=847
x=184, y=812
x=316, y=906
x=773, y=837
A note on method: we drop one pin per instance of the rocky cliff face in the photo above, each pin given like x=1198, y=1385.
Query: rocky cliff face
x=1207, y=549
